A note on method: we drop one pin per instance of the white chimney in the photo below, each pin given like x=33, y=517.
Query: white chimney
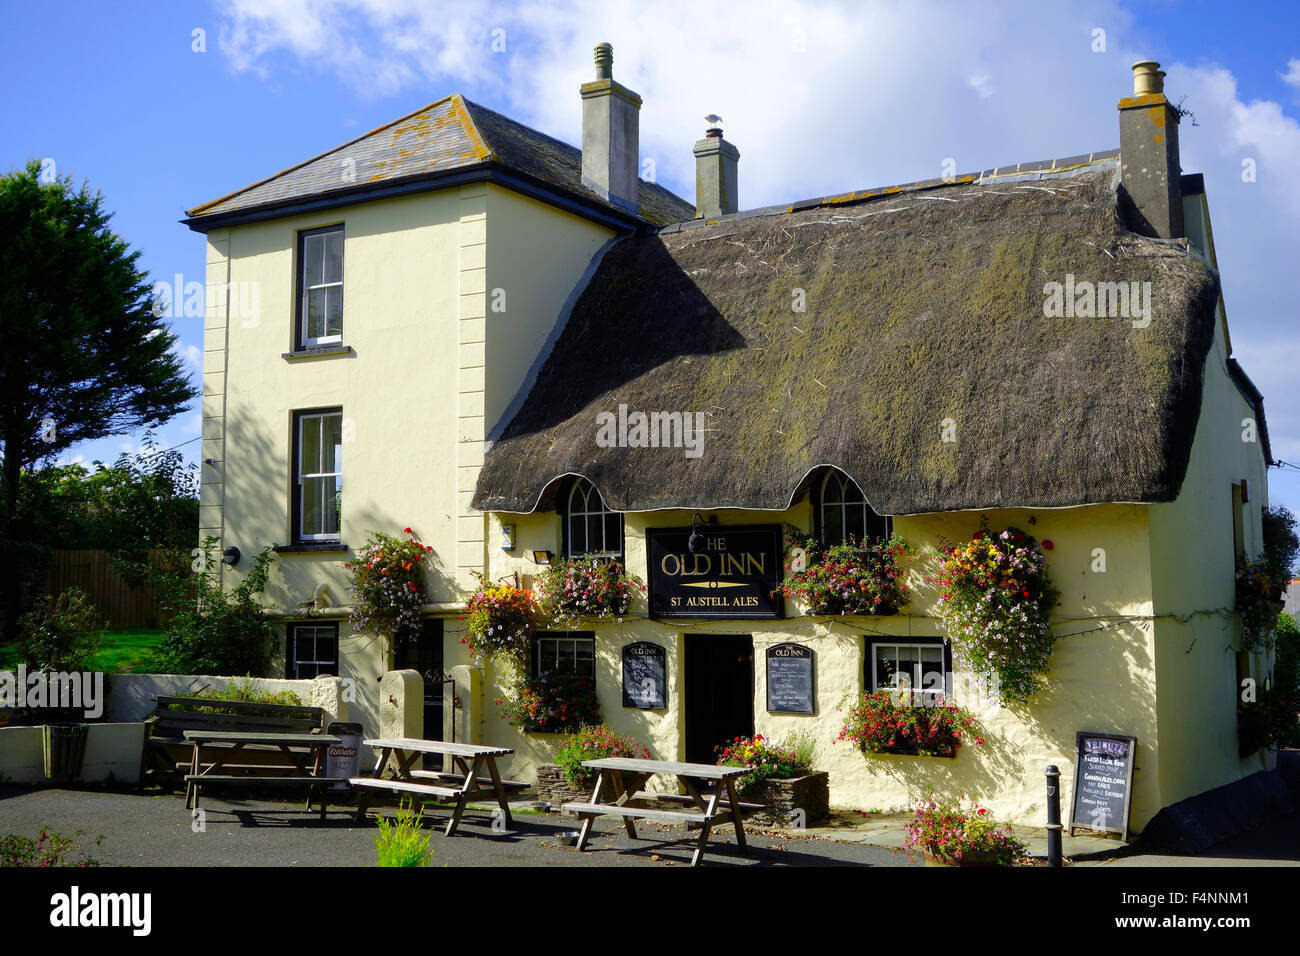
x=611, y=116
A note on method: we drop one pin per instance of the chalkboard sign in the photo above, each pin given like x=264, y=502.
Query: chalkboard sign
x=789, y=679
x=1103, y=782
x=645, y=676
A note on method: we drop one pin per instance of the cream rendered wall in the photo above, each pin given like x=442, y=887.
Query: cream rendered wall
x=1100, y=681
x=417, y=401
x=397, y=391
x=1192, y=564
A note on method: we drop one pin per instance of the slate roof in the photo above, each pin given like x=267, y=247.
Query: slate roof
x=923, y=303
x=453, y=135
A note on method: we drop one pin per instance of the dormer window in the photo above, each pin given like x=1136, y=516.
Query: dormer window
x=320, y=287
x=842, y=512
x=590, y=529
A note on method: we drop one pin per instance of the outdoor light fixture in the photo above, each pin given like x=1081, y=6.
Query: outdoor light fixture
x=230, y=556
x=695, y=543
x=542, y=557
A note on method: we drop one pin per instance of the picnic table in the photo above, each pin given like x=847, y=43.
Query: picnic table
x=295, y=751
x=623, y=777
x=475, y=774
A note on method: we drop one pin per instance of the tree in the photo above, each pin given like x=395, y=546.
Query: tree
x=82, y=354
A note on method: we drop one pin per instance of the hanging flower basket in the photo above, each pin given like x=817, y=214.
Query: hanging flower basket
x=501, y=621
x=576, y=588
x=851, y=578
x=387, y=585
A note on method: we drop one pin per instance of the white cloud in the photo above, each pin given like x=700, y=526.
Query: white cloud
x=191, y=356
x=982, y=84
x=1292, y=75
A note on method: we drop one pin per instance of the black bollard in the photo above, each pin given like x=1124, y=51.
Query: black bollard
x=1053, y=816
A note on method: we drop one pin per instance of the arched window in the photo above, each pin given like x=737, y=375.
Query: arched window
x=590, y=529
x=842, y=512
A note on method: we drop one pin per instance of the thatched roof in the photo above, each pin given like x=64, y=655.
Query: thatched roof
x=442, y=142
x=920, y=307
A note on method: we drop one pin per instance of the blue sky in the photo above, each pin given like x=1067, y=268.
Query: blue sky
x=819, y=97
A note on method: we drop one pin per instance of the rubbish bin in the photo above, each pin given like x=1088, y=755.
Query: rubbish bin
x=343, y=759
x=65, y=749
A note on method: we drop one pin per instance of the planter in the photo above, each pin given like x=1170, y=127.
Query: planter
x=783, y=798
x=554, y=788
x=983, y=858
x=65, y=748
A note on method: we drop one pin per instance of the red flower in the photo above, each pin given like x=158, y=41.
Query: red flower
x=406, y=530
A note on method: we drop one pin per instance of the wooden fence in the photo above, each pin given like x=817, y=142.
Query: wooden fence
x=119, y=603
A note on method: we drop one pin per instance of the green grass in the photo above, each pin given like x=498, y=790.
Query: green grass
x=121, y=650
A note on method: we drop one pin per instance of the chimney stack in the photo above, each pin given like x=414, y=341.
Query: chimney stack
x=1150, y=174
x=610, y=135
x=715, y=173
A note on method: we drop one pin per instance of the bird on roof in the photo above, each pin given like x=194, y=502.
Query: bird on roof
x=713, y=118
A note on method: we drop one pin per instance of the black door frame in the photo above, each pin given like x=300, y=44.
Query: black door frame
x=705, y=694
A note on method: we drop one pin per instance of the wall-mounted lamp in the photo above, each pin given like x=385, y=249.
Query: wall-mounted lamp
x=695, y=543
x=230, y=556
x=210, y=461
x=507, y=537
x=542, y=557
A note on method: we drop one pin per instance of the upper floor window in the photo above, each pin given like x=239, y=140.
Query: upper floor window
x=590, y=529
x=318, y=510
x=320, y=286
x=842, y=512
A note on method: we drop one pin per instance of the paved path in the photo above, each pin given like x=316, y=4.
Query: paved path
x=147, y=830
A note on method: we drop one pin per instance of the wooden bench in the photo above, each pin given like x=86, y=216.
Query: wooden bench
x=168, y=755
x=301, y=762
x=623, y=777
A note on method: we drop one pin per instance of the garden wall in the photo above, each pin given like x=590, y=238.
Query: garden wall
x=133, y=697
x=113, y=752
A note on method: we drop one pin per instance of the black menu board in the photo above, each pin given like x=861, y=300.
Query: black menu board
x=645, y=676
x=1103, y=782
x=790, y=679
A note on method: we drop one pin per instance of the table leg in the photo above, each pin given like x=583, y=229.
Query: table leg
x=504, y=804
x=710, y=811
x=621, y=788
x=589, y=819
x=462, y=797
x=735, y=815
x=194, y=771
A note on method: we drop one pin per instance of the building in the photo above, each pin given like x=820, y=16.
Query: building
x=450, y=306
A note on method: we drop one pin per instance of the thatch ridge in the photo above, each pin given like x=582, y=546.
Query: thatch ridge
x=919, y=308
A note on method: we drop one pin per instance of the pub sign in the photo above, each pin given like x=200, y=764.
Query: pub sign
x=732, y=576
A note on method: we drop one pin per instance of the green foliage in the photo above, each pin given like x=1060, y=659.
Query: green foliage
x=1274, y=718
x=594, y=743
x=889, y=722
x=403, y=843
x=1281, y=545
x=573, y=588
x=949, y=832
x=82, y=347
x=765, y=758
x=387, y=585
x=244, y=690
x=849, y=578
x=804, y=746
x=1254, y=603
x=143, y=501
x=214, y=631
x=48, y=849
x=57, y=634
x=550, y=702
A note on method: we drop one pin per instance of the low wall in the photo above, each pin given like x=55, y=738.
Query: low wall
x=113, y=753
x=133, y=697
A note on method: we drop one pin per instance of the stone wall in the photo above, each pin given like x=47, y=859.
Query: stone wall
x=781, y=798
x=554, y=788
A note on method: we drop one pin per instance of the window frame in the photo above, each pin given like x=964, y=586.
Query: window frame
x=301, y=340
x=292, y=661
x=945, y=653
x=535, y=655
x=296, y=517
x=567, y=515
x=819, y=503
